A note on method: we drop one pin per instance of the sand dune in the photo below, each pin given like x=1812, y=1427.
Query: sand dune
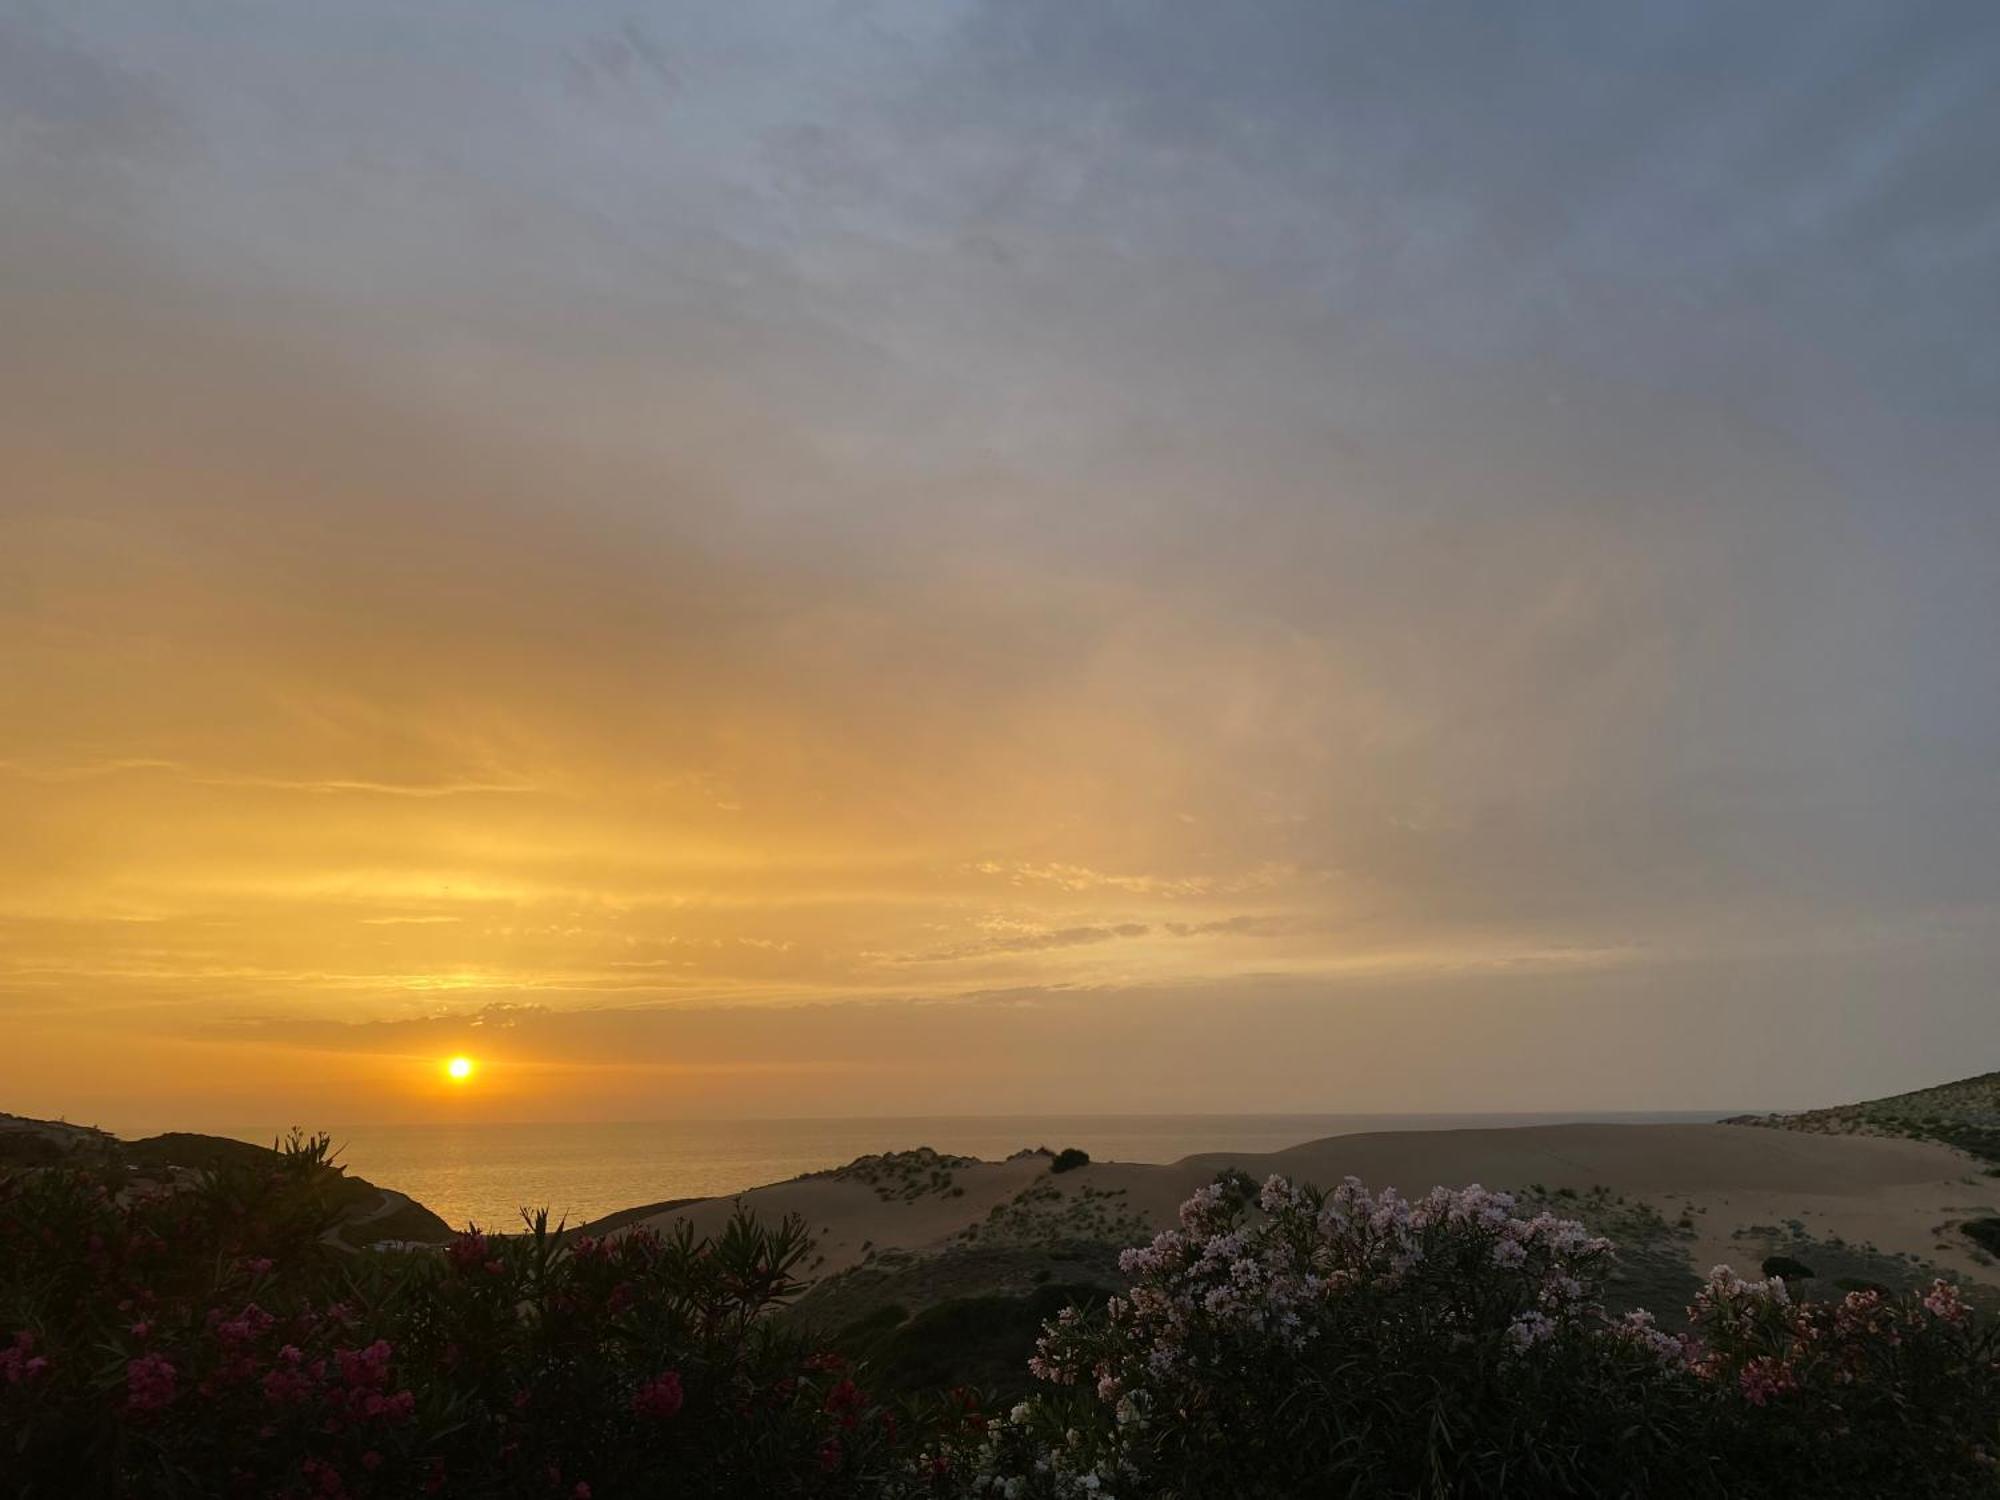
x=1723, y=1180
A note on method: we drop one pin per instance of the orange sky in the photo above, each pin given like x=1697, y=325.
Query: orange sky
x=762, y=572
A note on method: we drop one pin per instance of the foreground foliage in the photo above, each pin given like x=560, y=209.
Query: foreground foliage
x=209, y=1341
x=209, y=1338
x=1356, y=1344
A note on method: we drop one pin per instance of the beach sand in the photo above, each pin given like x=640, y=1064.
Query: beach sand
x=1728, y=1187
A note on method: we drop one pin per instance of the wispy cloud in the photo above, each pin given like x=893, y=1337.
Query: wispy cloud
x=1035, y=941
x=94, y=770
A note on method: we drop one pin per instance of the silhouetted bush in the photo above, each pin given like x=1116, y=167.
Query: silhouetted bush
x=1069, y=1159
x=1786, y=1267
x=207, y=1340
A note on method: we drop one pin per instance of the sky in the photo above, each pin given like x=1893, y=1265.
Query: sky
x=880, y=558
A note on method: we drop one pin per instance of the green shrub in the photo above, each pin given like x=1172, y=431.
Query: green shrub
x=1787, y=1268
x=983, y=1341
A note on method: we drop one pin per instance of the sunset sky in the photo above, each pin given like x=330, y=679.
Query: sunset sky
x=893, y=558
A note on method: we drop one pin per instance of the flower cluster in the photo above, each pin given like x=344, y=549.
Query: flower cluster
x=150, y=1383
x=1283, y=1340
x=19, y=1364
x=1217, y=1281
x=660, y=1397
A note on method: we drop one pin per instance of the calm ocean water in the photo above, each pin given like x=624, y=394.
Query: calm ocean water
x=486, y=1173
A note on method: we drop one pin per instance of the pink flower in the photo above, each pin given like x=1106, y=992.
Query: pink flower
x=19, y=1363
x=466, y=1252
x=844, y=1401
x=659, y=1398
x=365, y=1369
x=1763, y=1378
x=1943, y=1301
x=246, y=1327
x=394, y=1410
x=288, y=1384
x=149, y=1383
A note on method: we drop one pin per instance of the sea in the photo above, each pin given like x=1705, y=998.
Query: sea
x=486, y=1174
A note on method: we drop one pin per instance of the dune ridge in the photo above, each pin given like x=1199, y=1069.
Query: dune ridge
x=1728, y=1193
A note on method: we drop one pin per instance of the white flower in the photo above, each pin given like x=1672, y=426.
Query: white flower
x=1530, y=1329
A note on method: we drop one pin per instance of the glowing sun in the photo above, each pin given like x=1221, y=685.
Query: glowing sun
x=459, y=1069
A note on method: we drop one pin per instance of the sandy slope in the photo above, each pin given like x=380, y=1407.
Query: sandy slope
x=1894, y=1193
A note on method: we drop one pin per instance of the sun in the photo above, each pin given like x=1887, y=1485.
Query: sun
x=459, y=1068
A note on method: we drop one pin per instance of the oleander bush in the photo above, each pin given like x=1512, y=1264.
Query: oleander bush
x=210, y=1341
x=212, y=1337
x=1356, y=1344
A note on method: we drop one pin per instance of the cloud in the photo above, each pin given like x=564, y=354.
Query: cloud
x=91, y=770
x=1029, y=942
x=1238, y=926
x=1080, y=878
x=741, y=506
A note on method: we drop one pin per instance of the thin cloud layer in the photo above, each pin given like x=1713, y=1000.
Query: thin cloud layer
x=755, y=509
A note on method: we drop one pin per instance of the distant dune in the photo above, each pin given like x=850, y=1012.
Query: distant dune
x=1685, y=1196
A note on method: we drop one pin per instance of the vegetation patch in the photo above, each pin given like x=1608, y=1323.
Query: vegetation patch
x=910, y=1282
x=904, y=1176
x=1832, y=1266
x=984, y=1341
x=1984, y=1233
x=1044, y=1212
x=1964, y=1115
x=1652, y=1268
